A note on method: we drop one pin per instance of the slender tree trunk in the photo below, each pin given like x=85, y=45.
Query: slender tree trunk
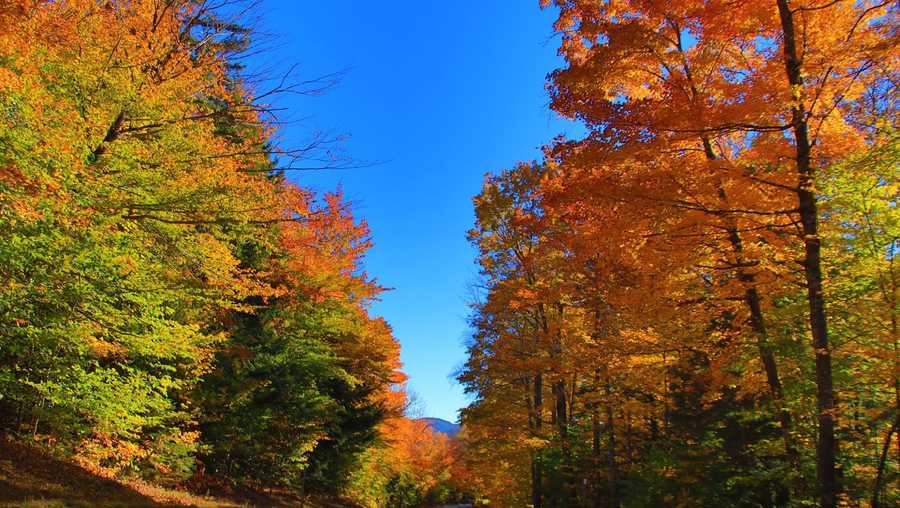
x=37, y=417
x=826, y=446
x=890, y=297
x=561, y=410
x=537, y=494
x=111, y=135
x=612, y=470
x=882, y=462
x=758, y=324
x=596, y=491
x=562, y=425
x=665, y=415
x=628, y=445
x=751, y=298
x=777, y=393
x=767, y=358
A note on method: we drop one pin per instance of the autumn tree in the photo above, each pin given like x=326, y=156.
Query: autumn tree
x=743, y=79
x=155, y=247
x=661, y=251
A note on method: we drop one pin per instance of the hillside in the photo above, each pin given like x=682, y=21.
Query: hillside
x=443, y=426
x=31, y=477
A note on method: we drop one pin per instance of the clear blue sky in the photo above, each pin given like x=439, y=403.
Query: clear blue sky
x=442, y=92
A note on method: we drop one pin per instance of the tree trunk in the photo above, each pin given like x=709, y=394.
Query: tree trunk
x=537, y=494
x=882, y=462
x=767, y=358
x=751, y=298
x=612, y=470
x=826, y=445
x=596, y=491
x=758, y=324
x=562, y=425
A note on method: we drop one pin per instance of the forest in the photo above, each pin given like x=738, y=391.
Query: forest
x=695, y=304
x=172, y=307
x=692, y=304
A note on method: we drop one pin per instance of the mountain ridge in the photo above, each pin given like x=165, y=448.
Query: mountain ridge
x=440, y=425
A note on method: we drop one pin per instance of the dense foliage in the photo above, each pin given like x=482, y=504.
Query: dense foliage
x=697, y=303
x=417, y=466
x=170, y=304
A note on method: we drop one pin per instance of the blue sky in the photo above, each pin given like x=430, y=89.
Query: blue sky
x=441, y=93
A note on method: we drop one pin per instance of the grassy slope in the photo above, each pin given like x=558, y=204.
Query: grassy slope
x=30, y=477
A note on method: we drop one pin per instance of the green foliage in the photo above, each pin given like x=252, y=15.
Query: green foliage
x=404, y=492
x=164, y=293
x=281, y=408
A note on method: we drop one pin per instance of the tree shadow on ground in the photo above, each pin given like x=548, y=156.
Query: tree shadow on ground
x=30, y=476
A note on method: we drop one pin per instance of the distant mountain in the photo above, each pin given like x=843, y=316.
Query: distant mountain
x=443, y=426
